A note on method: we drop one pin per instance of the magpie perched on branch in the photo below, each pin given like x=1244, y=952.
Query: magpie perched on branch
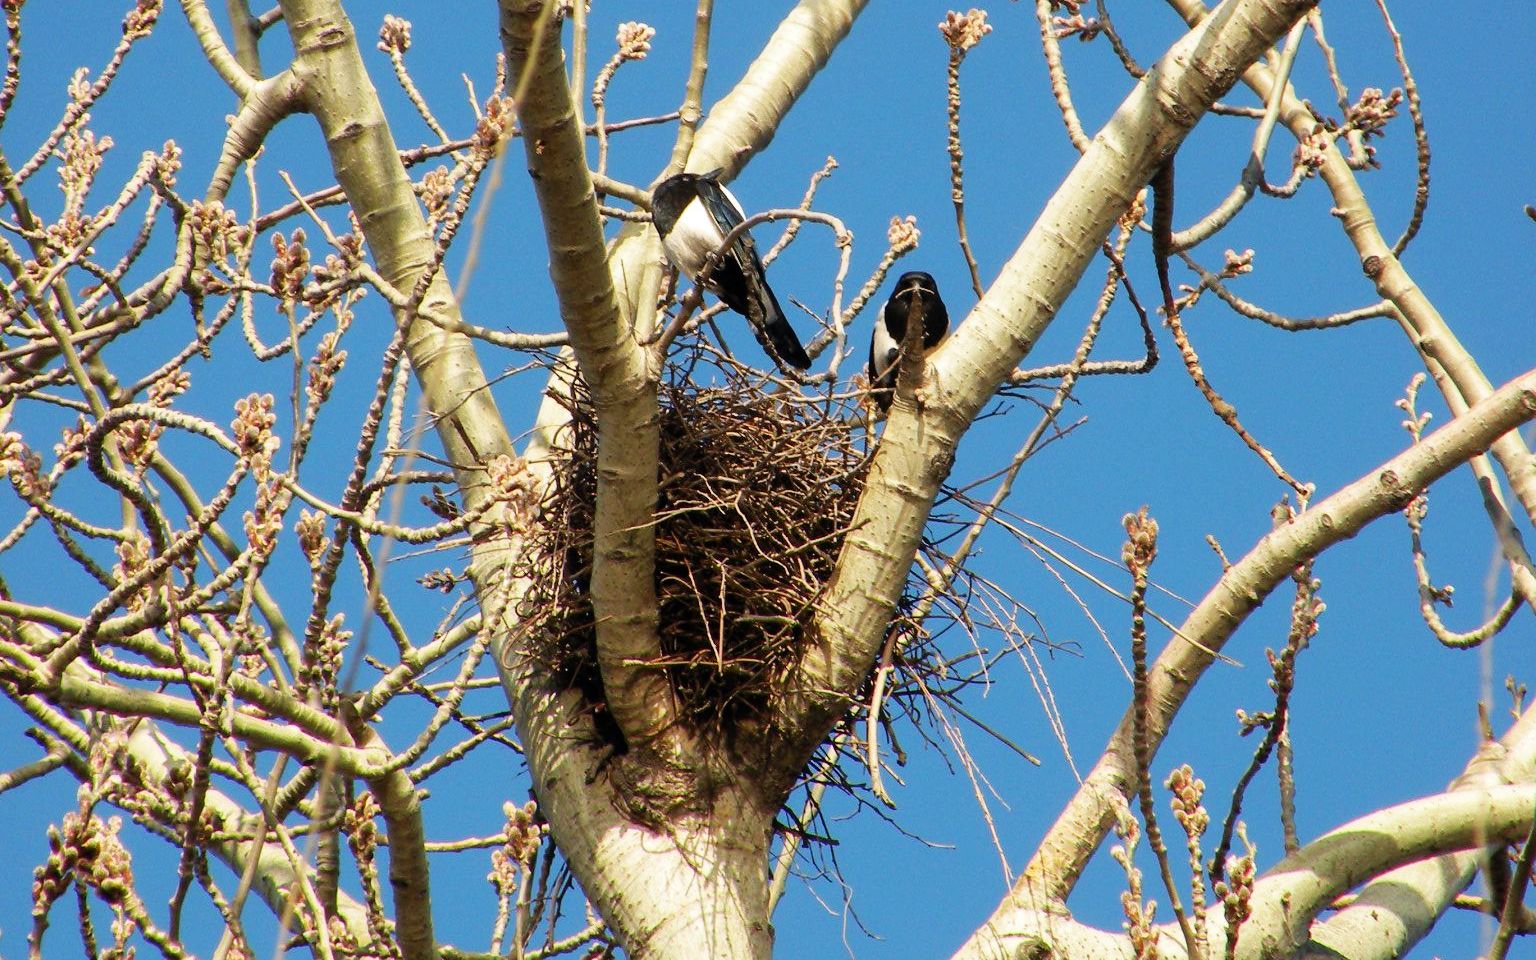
x=693, y=214
x=891, y=329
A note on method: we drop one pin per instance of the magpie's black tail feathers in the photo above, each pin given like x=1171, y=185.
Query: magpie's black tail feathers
x=772, y=327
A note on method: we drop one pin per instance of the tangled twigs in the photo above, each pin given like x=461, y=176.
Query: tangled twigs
x=756, y=493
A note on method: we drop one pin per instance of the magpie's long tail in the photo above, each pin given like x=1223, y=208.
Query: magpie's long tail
x=772, y=327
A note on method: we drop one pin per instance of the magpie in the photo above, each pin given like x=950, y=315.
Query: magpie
x=891, y=327
x=693, y=213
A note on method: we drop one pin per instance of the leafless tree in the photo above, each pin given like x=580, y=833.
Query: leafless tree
x=707, y=591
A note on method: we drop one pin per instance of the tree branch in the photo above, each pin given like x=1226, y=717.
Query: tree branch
x=918, y=445
x=1395, y=911
x=608, y=852
x=408, y=876
x=1456, y=373
x=1292, y=892
x=617, y=372
x=744, y=121
x=214, y=49
x=1287, y=899
x=1066, y=848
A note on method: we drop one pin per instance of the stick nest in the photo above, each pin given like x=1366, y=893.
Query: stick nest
x=756, y=492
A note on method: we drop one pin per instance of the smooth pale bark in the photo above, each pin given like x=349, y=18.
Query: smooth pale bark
x=1399, y=909
x=1396, y=910
x=1382, y=924
x=919, y=441
x=1298, y=887
x=1088, y=817
x=696, y=885
x=1292, y=893
x=745, y=120
x=224, y=62
x=618, y=374
x=335, y=88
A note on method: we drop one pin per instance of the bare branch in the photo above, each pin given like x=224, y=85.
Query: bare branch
x=616, y=369
x=1055, y=867
x=918, y=443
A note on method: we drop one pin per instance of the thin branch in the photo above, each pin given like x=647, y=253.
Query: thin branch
x=224, y=63
x=961, y=32
x=1253, y=173
x=691, y=110
x=1138, y=554
x=1420, y=136
x=1060, y=89
x=1513, y=908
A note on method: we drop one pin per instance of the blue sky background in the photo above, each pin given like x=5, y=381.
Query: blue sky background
x=1382, y=713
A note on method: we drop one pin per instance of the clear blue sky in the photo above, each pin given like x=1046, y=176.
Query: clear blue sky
x=1382, y=713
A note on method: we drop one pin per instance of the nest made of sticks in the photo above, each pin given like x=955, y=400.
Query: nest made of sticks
x=756, y=491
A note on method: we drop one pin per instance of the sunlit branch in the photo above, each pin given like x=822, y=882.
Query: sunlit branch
x=690, y=112
x=1060, y=89
x=1460, y=379
x=1420, y=136
x=616, y=369
x=918, y=443
x=1253, y=173
x=224, y=63
x=1212, y=282
x=1062, y=853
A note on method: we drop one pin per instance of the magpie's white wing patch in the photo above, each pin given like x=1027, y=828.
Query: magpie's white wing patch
x=699, y=230
x=693, y=238
x=883, y=350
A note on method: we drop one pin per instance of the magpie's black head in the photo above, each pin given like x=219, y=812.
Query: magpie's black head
x=918, y=289
x=915, y=280
x=673, y=194
x=670, y=197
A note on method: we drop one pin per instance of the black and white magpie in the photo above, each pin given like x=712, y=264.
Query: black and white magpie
x=891, y=327
x=693, y=213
